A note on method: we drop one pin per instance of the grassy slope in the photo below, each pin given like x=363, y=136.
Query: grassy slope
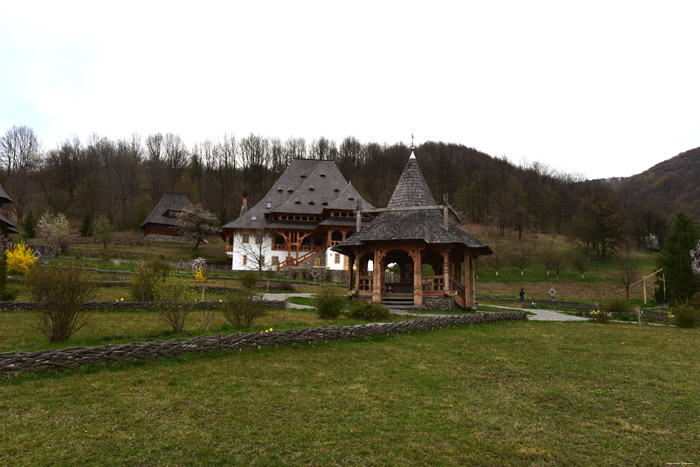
x=509, y=393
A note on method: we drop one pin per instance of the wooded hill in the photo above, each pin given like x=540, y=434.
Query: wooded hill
x=666, y=186
x=123, y=180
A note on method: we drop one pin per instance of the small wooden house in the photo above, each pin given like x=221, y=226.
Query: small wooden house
x=6, y=223
x=163, y=219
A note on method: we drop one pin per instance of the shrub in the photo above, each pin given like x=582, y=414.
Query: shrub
x=243, y=307
x=685, y=315
x=60, y=295
x=174, y=302
x=600, y=316
x=249, y=279
x=368, y=311
x=618, y=306
x=282, y=286
x=86, y=227
x=20, y=258
x=329, y=303
x=29, y=226
x=147, y=277
x=3, y=273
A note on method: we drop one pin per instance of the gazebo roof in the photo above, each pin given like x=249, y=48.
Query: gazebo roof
x=426, y=225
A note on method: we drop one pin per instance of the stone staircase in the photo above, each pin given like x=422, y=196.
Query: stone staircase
x=398, y=303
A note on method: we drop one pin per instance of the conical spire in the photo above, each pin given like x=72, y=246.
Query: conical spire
x=412, y=190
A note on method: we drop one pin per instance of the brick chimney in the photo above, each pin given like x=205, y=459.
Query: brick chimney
x=244, y=207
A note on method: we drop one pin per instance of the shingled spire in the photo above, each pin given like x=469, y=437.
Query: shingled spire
x=412, y=189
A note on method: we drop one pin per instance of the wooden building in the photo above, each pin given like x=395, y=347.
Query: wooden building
x=6, y=223
x=163, y=219
x=411, y=233
x=310, y=209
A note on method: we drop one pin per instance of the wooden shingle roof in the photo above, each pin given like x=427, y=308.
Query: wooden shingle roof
x=426, y=225
x=176, y=202
x=308, y=186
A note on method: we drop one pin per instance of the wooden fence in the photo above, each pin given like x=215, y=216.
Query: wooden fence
x=76, y=357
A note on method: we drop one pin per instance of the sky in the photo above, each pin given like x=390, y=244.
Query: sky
x=594, y=88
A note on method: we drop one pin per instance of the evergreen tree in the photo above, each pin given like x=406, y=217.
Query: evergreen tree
x=223, y=216
x=87, y=227
x=681, y=282
x=29, y=226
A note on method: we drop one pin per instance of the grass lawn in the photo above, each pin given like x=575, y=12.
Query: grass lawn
x=507, y=393
x=18, y=328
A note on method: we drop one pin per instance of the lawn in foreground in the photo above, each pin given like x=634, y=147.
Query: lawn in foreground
x=506, y=393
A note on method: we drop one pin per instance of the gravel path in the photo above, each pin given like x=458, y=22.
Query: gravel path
x=542, y=315
x=285, y=296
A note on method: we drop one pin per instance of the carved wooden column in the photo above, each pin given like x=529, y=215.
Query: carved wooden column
x=417, y=278
x=351, y=262
x=359, y=271
x=446, y=270
x=472, y=285
x=377, y=276
x=467, y=289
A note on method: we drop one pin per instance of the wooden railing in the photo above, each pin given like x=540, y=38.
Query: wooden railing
x=433, y=283
x=293, y=261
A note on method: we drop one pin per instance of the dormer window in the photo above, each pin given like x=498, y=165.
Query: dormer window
x=303, y=176
x=323, y=175
x=253, y=218
x=351, y=199
x=268, y=205
x=297, y=202
x=336, y=190
x=280, y=190
x=290, y=191
x=311, y=203
x=312, y=189
x=324, y=204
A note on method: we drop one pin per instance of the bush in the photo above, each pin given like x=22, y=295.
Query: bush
x=249, y=279
x=60, y=295
x=147, y=277
x=282, y=286
x=618, y=306
x=329, y=303
x=20, y=258
x=86, y=227
x=175, y=299
x=243, y=307
x=600, y=316
x=685, y=315
x=367, y=311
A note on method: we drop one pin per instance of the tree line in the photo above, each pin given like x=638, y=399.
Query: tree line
x=123, y=179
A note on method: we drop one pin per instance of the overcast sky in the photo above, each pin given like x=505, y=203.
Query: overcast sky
x=595, y=88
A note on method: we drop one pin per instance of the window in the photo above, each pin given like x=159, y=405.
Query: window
x=258, y=239
x=245, y=238
x=337, y=258
x=244, y=260
x=317, y=262
x=275, y=260
x=253, y=218
x=262, y=261
x=268, y=205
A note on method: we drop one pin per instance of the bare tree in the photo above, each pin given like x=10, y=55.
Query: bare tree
x=522, y=256
x=19, y=149
x=628, y=272
x=21, y=187
x=553, y=260
x=256, y=251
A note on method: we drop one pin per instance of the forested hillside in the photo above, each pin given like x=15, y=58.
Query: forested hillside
x=666, y=186
x=123, y=179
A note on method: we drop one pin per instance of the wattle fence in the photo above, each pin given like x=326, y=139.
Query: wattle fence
x=73, y=358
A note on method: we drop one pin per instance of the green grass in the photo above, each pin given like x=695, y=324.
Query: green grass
x=502, y=394
x=301, y=301
x=18, y=329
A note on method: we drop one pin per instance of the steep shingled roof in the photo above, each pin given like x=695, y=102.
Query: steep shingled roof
x=412, y=191
x=169, y=202
x=347, y=200
x=4, y=197
x=305, y=181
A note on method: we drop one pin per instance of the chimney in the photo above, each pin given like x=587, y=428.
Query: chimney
x=244, y=207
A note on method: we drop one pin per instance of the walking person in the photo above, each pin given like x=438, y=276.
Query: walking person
x=522, y=297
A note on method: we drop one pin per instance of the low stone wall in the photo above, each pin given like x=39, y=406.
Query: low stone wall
x=168, y=238
x=46, y=361
x=437, y=303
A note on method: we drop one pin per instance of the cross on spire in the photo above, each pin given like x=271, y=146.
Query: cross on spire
x=412, y=146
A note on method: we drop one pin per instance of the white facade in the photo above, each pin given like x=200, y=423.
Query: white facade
x=245, y=255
